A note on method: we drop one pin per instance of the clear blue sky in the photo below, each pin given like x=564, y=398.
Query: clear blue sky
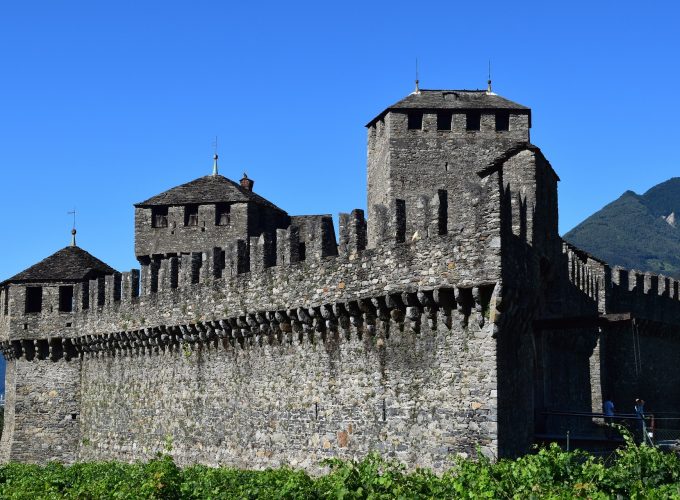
x=104, y=104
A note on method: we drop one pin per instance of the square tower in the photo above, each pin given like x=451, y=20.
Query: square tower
x=433, y=143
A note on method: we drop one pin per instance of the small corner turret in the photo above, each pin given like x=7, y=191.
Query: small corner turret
x=41, y=299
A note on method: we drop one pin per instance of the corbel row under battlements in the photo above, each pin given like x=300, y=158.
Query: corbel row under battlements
x=373, y=316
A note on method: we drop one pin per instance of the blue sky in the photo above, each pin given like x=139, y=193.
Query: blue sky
x=104, y=104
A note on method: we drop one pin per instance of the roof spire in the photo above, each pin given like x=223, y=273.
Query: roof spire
x=73, y=230
x=488, y=82
x=215, y=157
x=417, y=90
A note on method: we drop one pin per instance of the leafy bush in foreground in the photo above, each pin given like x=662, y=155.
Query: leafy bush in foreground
x=634, y=472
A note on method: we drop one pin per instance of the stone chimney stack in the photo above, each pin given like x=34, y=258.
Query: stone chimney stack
x=247, y=183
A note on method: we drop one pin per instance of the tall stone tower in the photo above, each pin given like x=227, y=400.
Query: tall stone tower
x=433, y=143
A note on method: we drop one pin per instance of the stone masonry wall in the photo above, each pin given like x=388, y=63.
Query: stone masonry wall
x=420, y=396
x=42, y=411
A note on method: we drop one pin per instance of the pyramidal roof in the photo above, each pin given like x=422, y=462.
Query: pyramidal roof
x=207, y=189
x=70, y=264
x=452, y=99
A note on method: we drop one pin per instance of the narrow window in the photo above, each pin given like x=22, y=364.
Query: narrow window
x=191, y=215
x=222, y=214
x=502, y=121
x=444, y=121
x=66, y=298
x=302, y=251
x=159, y=217
x=472, y=119
x=415, y=121
x=33, y=299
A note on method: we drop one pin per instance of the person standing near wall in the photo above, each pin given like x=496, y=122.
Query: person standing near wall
x=608, y=410
x=640, y=414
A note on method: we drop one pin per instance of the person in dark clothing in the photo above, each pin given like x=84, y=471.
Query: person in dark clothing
x=608, y=411
x=640, y=414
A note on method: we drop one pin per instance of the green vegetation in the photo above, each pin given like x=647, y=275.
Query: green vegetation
x=632, y=231
x=633, y=472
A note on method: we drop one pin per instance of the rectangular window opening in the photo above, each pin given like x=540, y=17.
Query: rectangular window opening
x=191, y=215
x=65, y=298
x=472, y=120
x=502, y=121
x=444, y=121
x=415, y=121
x=222, y=214
x=33, y=299
x=159, y=217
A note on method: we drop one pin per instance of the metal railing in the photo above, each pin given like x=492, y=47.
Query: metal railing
x=592, y=430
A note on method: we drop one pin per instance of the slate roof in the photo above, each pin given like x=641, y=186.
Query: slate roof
x=208, y=189
x=70, y=264
x=452, y=99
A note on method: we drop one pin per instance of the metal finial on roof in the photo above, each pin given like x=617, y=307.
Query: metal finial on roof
x=488, y=82
x=215, y=157
x=73, y=230
x=417, y=90
x=215, y=169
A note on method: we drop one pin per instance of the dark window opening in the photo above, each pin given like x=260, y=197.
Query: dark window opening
x=472, y=120
x=415, y=121
x=222, y=214
x=65, y=298
x=191, y=215
x=502, y=121
x=159, y=217
x=33, y=299
x=302, y=251
x=444, y=121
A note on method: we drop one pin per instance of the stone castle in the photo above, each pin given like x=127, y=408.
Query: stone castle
x=445, y=323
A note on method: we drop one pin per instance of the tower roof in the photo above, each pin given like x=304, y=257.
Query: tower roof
x=208, y=189
x=70, y=264
x=453, y=100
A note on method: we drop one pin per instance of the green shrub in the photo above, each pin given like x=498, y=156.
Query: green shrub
x=636, y=471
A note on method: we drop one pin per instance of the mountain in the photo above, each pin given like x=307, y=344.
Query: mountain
x=636, y=231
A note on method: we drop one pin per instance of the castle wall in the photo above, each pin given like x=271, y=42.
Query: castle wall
x=374, y=308
x=420, y=396
x=42, y=410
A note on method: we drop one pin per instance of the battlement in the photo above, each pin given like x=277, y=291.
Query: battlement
x=644, y=295
x=291, y=267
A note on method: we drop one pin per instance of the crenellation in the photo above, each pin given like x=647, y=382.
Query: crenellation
x=129, y=285
x=353, y=237
x=112, y=288
x=651, y=284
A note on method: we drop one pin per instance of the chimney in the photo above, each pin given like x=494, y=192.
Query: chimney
x=246, y=183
